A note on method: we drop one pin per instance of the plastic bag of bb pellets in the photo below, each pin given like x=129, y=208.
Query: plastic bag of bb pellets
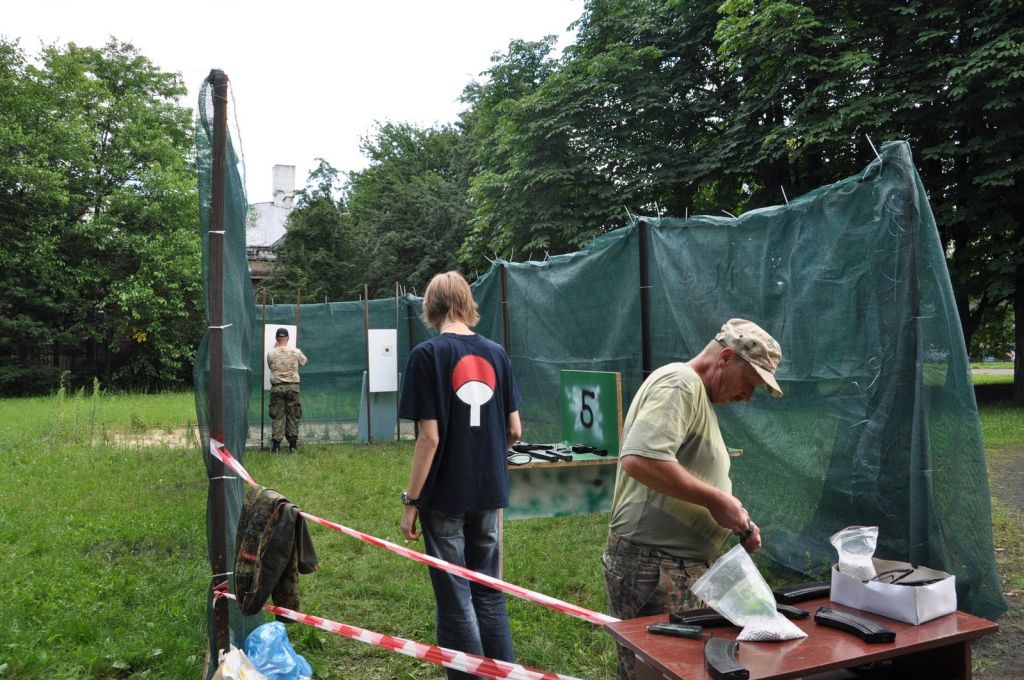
x=734, y=588
x=855, y=546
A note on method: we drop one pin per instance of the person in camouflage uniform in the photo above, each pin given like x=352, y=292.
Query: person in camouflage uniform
x=673, y=506
x=285, y=404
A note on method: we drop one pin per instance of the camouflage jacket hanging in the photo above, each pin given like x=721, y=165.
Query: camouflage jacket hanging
x=273, y=547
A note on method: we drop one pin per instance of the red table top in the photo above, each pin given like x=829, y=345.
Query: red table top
x=822, y=650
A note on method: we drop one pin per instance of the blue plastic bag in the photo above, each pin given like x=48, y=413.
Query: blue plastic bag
x=273, y=655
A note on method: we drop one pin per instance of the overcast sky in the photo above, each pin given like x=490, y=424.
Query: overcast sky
x=309, y=77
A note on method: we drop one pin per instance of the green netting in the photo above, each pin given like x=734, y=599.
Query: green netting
x=333, y=336
x=240, y=325
x=879, y=423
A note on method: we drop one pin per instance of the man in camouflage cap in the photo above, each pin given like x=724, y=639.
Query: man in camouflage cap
x=673, y=506
x=752, y=344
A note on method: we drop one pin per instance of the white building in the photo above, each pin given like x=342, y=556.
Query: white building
x=267, y=223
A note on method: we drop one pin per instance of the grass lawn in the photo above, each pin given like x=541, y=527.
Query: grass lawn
x=992, y=364
x=105, y=549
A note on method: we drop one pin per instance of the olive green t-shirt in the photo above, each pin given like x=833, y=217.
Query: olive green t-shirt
x=671, y=419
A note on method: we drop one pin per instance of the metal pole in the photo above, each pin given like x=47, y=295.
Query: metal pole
x=645, y=287
x=221, y=616
x=263, y=366
x=505, y=331
x=398, y=421
x=298, y=314
x=409, y=330
x=366, y=337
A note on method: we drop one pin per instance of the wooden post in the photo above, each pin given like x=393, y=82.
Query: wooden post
x=218, y=539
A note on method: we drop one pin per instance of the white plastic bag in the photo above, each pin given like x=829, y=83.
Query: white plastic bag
x=855, y=546
x=235, y=665
x=734, y=588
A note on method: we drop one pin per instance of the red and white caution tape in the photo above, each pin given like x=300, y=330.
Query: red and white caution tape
x=217, y=449
x=221, y=453
x=449, y=658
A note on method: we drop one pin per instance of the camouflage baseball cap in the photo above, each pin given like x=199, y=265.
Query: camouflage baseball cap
x=753, y=344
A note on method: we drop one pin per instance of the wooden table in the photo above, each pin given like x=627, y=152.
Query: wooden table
x=937, y=649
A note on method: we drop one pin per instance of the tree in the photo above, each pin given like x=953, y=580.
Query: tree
x=409, y=206
x=945, y=76
x=96, y=169
x=689, y=106
x=319, y=255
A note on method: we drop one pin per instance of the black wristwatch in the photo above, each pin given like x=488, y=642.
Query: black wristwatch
x=408, y=501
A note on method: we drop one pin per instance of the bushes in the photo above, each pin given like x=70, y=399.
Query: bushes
x=28, y=380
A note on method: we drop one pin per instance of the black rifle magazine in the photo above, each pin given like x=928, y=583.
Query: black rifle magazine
x=867, y=630
x=706, y=617
x=720, y=660
x=798, y=592
x=791, y=612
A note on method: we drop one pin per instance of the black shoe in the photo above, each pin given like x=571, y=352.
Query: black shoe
x=275, y=445
x=293, y=444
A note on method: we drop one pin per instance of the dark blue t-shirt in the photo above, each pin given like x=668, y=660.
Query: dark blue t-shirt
x=465, y=383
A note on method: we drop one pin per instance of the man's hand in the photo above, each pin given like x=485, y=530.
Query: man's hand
x=730, y=514
x=409, y=529
x=750, y=538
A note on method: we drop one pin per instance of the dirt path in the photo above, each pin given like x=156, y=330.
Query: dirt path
x=1002, y=655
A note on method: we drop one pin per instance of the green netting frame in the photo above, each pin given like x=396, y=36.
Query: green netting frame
x=238, y=336
x=879, y=423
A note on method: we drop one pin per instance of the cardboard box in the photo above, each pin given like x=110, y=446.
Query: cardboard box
x=911, y=604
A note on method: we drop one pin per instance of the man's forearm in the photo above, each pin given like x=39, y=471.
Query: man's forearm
x=671, y=479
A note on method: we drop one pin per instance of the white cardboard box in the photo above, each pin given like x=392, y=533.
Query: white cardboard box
x=912, y=604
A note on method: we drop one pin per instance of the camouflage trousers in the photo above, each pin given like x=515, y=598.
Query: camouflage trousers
x=285, y=410
x=641, y=580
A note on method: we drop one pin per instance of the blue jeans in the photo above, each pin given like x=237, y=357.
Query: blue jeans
x=470, y=617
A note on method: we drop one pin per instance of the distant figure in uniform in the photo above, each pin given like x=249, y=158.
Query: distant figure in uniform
x=285, y=406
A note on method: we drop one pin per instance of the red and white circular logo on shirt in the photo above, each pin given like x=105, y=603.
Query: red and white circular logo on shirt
x=473, y=380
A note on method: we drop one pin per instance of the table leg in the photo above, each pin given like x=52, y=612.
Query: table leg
x=949, y=661
x=644, y=671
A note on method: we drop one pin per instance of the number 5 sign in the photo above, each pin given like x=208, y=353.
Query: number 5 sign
x=591, y=403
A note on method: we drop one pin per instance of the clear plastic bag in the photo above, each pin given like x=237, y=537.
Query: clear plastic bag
x=734, y=588
x=855, y=546
x=273, y=655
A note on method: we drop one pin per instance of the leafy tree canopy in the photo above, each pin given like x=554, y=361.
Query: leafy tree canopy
x=98, y=216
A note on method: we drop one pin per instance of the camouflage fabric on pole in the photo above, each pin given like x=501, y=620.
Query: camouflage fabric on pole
x=273, y=548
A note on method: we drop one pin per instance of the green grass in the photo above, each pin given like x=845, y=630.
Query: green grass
x=105, y=551
x=992, y=364
x=1001, y=426
x=983, y=379
x=1003, y=432
x=85, y=417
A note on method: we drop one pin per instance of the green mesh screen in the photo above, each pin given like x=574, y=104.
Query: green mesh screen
x=240, y=323
x=879, y=423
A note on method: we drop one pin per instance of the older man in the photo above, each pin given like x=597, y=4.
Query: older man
x=673, y=506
